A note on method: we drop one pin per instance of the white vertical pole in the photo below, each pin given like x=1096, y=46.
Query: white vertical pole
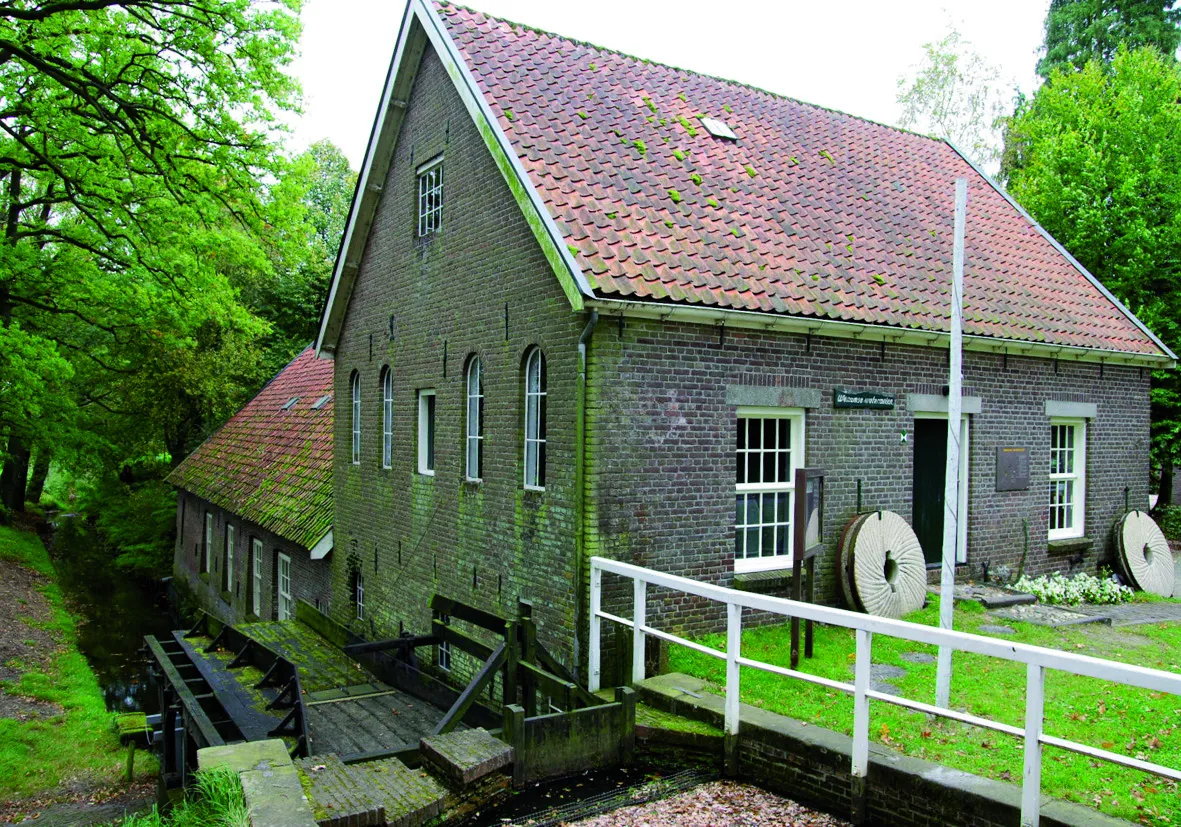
x=1031, y=780
x=861, y=703
x=951, y=491
x=596, y=604
x=733, y=651
x=639, y=619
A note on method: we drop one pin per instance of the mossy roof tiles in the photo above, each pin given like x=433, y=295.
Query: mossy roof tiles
x=270, y=465
x=810, y=212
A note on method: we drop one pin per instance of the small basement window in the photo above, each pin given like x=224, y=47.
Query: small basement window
x=430, y=197
x=719, y=129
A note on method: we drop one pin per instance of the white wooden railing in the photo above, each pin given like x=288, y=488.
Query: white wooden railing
x=1036, y=659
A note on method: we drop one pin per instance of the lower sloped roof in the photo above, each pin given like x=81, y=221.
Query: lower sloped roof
x=271, y=463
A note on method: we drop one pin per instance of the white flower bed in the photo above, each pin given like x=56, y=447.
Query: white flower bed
x=1070, y=591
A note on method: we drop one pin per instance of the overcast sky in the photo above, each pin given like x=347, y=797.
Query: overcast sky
x=843, y=54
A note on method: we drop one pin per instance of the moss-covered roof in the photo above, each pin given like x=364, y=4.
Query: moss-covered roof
x=271, y=463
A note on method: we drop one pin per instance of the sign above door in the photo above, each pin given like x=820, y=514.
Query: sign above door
x=880, y=400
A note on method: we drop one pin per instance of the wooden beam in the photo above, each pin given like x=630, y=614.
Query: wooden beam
x=551, y=685
x=461, y=640
x=408, y=642
x=468, y=614
x=551, y=663
x=484, y=677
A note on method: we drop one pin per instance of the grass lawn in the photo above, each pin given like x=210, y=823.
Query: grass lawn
x=1121, y=719
x=70, y=745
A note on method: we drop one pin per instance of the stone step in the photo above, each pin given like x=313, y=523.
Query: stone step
x=338, y=797
x=465, y=757
x=408, y=797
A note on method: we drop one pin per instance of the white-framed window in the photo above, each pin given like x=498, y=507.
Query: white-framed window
x=387, y=418
x=769, y=448
x=430, y=197
x=445, y=647
x=475, y=420
x=356, y=422
x=207, y=549
x=535, y=399
x=256, y=580
x=230, y=539
x=1068, y=466
x=359, y=594
x=426, y=432
x=286, y=607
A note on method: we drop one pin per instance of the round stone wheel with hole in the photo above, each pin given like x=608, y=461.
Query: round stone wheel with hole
x=1145, y=555
x=889, y=572
x=845, y=562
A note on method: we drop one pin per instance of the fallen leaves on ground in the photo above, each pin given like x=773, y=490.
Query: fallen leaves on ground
x=717, y=804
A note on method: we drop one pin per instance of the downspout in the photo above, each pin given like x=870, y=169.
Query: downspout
x=580, y=485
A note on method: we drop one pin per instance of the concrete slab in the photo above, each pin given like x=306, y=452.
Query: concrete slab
x=464, y=757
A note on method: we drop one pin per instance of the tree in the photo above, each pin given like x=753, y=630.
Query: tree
x=1098, y=164
x=957, y=95
x=1081, y=31
x=133, y=135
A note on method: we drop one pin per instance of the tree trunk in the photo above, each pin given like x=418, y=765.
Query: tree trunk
x=40, y=473
x=14, y=480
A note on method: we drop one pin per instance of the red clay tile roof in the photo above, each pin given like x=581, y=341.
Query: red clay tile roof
x=810, y=213
x=271, y=466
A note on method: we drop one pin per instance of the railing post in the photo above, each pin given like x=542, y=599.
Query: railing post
x=596, y=604
x=639, y=619
x=733, y=688
x=1031, y=780
x=861, y=725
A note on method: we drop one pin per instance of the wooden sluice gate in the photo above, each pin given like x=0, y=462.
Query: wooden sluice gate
x=377, y=735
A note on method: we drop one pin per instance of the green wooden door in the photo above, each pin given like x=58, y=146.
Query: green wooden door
x=930, y=471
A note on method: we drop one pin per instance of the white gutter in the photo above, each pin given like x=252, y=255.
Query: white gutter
x=757, y=320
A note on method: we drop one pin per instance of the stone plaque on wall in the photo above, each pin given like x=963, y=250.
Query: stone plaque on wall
x=1012, y=469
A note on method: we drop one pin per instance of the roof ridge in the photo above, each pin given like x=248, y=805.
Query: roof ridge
x=748, y=86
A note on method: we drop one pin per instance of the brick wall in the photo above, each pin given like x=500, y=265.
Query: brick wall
x=310, y=579
x=662, y=413
x=481, y=287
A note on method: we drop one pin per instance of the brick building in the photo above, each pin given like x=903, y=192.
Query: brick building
x=254, y=502
x=591, y=305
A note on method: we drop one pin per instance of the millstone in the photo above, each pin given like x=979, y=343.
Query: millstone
x=883, y=571
x=1144, y=554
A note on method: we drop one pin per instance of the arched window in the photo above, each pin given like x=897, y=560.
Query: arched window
x=387, y=418
x=535, y=420
x=356, y=418
x=475, y=419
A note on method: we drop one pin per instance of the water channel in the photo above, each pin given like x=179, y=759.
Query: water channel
x=114, y=610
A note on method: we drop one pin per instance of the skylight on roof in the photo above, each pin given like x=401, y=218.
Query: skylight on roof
x=719, y=129
x=290, y=403
x=321, y=402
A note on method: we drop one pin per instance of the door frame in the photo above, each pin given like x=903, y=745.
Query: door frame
x=280, y=607
x=961, y=542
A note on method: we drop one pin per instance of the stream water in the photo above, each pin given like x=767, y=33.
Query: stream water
x=114, y=611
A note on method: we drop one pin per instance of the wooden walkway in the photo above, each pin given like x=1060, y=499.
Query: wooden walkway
x=387, y=719
x=321, y=665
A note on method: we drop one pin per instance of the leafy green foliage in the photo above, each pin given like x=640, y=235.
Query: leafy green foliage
x=1080, y=588
x=1081, y=31
x=131, y=189
x=957, y=95
x=1094, y=157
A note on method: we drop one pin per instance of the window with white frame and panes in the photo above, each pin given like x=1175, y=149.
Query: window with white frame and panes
x=256, y=580
x=286, y=607
x=769, y=447
x=1068, y=469
x=430, y=197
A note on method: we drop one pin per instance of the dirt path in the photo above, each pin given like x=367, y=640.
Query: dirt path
x=86, y=809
